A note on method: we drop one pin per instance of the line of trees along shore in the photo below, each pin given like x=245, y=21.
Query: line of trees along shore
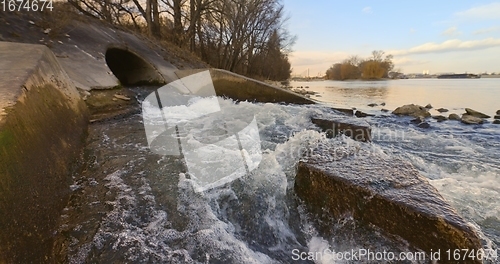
x=243, y=36
x=375, y=67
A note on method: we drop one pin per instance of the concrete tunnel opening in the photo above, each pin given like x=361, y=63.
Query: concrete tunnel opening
x=130, y=69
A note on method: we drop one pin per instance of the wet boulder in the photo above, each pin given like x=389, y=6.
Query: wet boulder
x=442, y=110
x=418, y=120
x=471, y=120
x=454, y=117
x=496, y=122
x=498, y=112
x=359, y=131
x=440, y=118
x=428, y=106
x=412, y=110
x=362, y=114
x=384, y=192
x=424, y=125
x=497, y=117
x=475, y=113
x=372, y=105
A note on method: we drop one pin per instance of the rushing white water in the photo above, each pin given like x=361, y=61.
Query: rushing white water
x=462, y=162
x=257, y=218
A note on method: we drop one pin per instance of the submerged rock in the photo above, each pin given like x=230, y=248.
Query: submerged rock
x=382, y=104
x=440, y=118
x=424, y=125
x=471, y=120
x=302, y=91
x=344, y=110
x=417, y=120
x=442, y=110
x=384, y=110
x=362, y=114
x=476, y=113
x=372, y=105
x=383, y=192
x=412, y=110
x=355, y=130
x=454, y=117
x=420, y=122
x=497, y=117
x=496, y=122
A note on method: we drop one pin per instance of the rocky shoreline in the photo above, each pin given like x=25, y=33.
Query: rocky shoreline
x=470, y=117
x=421, y=113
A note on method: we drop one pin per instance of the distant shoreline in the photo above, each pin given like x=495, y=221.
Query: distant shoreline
x=490, y=76
x=383, y=79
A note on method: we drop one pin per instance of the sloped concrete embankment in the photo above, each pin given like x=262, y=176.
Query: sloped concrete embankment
x=386, y=193
x=43, y=122
x=241, y=88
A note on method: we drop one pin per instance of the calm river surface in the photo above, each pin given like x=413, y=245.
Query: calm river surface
x=454, y=94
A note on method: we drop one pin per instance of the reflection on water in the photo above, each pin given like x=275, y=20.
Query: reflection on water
x=353, y=89
x=372, y=92
x=455, y=95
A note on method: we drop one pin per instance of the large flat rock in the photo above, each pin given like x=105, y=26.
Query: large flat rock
x=385, y=192
x=43, y=122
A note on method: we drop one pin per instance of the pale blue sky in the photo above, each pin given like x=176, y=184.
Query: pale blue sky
x=434, y=36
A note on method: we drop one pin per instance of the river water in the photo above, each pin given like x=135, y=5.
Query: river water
x=453, y=94
x=130, y=205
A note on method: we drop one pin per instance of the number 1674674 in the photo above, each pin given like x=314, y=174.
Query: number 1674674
x=25, y=5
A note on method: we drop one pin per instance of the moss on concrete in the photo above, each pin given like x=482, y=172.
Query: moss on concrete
x=39, y=139
x=6, y=138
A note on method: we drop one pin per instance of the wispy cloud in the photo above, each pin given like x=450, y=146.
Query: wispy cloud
x=315, y=61
x=451, y=32
x=412, y=30
x=488, y=11
x=305, y=58
x=486, y=30
x=405, y=61
x=367, y=10
x=449, y=45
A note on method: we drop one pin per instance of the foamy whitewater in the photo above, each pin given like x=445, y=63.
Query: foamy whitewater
x=257, y=218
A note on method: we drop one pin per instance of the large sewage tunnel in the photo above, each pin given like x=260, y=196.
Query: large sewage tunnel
x=131, y=69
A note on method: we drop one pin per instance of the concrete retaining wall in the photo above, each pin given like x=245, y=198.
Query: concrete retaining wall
x=43, y=122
